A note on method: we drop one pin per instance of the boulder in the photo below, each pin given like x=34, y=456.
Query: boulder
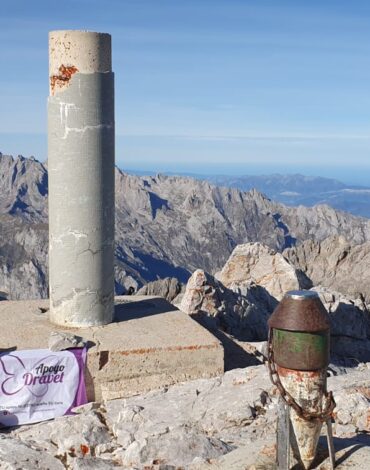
x=349, y=317
x=15, y=455
x=242, y=311
x=335, y=264
x=257, y=263
x=350, y=327
x=60, y=340
x=169, y=288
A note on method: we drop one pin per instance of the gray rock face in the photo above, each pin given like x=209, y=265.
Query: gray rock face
x=255, y=262
x=23, y=258
x=336, y=264
x=241, y=311
x=165, y=227
x=297, y=189
x=321, y=221
x=349, y=317
x=169, y=288
x=69, y=438
x=59, y=340
x=15, y=455
x=248, y=289
x=350, y=327
x=23, y=187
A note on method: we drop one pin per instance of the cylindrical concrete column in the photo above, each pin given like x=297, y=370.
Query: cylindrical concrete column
x=81, y=178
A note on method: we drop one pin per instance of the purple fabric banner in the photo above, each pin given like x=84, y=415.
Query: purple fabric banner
x=39, y=384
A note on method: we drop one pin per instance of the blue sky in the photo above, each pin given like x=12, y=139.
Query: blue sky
x=207, y=86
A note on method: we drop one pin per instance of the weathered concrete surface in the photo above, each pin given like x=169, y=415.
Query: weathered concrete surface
x=81, y=178
x=150, y=344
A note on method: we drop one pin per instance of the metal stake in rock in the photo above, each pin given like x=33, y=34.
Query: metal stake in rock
x=81, y=178
x=298, y=359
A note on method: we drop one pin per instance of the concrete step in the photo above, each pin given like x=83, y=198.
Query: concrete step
x=151, y=344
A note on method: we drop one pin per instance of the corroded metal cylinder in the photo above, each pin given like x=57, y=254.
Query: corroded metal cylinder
x=81, y=178
x=300, y=329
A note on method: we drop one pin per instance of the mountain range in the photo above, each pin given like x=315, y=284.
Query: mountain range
x=165, y=226
x=295, y=189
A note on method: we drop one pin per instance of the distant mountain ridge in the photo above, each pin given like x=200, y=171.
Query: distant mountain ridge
x=165, y=226
x=296, y=189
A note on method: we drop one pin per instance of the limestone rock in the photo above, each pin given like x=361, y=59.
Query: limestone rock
x=336, y=264
x=23, y=258
x=254, y=262
x=15, y=455
x=23, y=187
x=180, y=447
x=169, y=288
x=352, y=396
x=349, y=317
x=93, y=463
x=190, y=420
x=60, y=340
x=203, y=294
x=321, y=222
x=242, y=312
x=165, y=226
x=69, y=437
x=198, y=425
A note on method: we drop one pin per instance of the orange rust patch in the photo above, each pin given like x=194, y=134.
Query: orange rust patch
x=240, y=382
x=61, y=80
x=298, y=375
x=269, y=450
x=368, y=421
x=84, y=449
x=365, y=391
x=171, y=348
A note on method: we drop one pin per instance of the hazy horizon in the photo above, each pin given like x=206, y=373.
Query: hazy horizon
x=226, y=86
x=344, y=174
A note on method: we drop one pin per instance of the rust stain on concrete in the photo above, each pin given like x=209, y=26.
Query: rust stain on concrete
x=300, y=376
x=63, y=78
x=170, y=348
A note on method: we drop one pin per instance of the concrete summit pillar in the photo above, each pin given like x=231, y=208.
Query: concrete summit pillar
x=81, y=178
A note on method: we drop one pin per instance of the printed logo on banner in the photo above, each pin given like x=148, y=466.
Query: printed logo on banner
x=37, y=385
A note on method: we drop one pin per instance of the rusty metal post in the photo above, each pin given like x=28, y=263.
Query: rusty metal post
x=81, y=178
x=283, y=436
x=298, y=359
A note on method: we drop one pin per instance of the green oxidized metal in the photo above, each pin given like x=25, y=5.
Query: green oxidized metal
x=300, y=329
x=301, y=351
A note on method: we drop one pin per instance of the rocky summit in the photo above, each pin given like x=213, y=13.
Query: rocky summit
x=226, y=258
x=222, y=423
x=166, y=226
x=225, y=423
x=254, y=279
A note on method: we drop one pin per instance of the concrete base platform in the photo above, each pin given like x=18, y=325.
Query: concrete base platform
x=150, y=345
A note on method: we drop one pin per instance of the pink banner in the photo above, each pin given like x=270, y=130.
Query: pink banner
x=39, y=384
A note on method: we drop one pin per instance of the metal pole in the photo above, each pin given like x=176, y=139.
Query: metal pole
x=81, y=178
x=329, y=435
